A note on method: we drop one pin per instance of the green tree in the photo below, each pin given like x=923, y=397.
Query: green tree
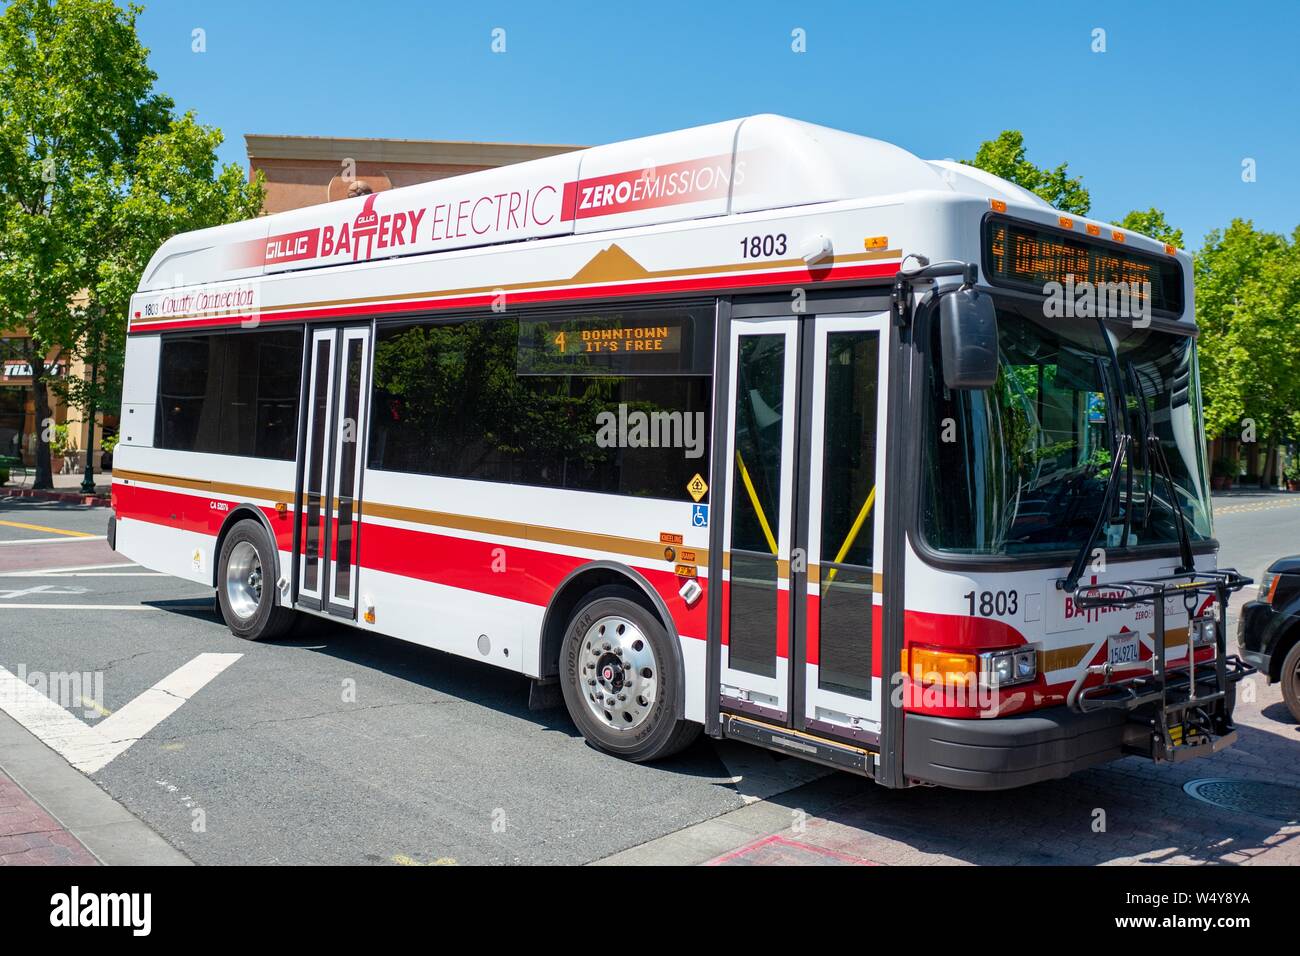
x=1248, y=309
x=1005, y=157
x=84, y=195
x=1151, y=222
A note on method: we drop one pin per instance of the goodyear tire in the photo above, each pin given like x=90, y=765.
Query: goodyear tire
x=247, y=600
x=621, y=675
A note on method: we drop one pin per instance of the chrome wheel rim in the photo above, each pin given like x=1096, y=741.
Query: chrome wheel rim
x=243, y=580
x=619, y=675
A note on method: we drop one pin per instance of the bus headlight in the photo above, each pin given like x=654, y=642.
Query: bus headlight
x=1012, y=666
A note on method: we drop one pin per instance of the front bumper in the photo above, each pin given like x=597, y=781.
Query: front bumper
x=1253, y=628
x=1003, y=752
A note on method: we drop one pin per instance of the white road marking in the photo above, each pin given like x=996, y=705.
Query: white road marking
x=40, y=572
x=89, y=537
x=41, y=589
x=91, y=748
x=78, y=607
x=84, y=574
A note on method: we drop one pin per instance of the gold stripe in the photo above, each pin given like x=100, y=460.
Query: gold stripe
x=1062, y=658
x=1065, y=658
x=635, y=547
x=538, y=284
x=199, y=484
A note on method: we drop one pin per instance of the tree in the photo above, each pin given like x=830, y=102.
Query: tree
x=83, y=195
x=1248, y=309
x=1152, y=222
x=1005, y=157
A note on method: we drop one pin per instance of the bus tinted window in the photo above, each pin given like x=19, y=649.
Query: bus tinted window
x=497, y=400
x=230, y=393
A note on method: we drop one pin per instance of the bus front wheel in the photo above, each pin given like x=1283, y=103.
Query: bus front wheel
x=246, y=584
x=622, y=680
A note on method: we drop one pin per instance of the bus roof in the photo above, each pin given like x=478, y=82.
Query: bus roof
x=743, y=165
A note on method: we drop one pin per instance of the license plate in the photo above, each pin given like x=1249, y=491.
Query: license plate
x=1122, y=648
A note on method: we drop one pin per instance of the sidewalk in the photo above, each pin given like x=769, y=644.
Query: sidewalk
x=66, y=488
x=54, y=815
x=1148, y=817
x=31, y=837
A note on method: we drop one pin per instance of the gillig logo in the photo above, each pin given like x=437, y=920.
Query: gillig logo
x=364, y=227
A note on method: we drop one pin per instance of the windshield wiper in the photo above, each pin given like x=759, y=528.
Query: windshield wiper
x=1155, y=454
x=1117, y=416
x=1103, y=516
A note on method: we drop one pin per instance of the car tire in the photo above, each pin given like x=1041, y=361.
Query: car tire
x=247, y=601
x=622, y=678
x=1290, y=679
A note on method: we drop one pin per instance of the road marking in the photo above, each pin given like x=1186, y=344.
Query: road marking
x=45, y=527
x=91, y=704
x=80, y=567
x=91, y=748
x=80, y=537
x=83, y=574
x=78, y=607
x=41, y=589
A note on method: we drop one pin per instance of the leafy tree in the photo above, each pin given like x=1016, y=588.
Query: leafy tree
x=1152, y=222
x=1248, y=308
x=1005, y=157
x=86, y=192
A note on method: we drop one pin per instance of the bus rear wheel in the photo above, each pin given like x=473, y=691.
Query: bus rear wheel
x=621, y=677
x=246, y=584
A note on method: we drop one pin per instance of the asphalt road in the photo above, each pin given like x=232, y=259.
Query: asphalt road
x=333, y=746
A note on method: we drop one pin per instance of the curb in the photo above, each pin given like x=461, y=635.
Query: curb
x=69, y=497
x=113, y=835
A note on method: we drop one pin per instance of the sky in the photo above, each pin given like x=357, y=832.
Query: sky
x=1183, y=95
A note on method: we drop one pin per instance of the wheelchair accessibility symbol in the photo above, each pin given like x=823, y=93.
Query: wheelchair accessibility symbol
x=700, y=516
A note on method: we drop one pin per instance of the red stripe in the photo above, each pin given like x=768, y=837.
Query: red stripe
x=699, y=284
x=528, y=575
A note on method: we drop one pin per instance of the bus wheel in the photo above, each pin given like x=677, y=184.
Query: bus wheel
x=621, y=678
x=247, y=599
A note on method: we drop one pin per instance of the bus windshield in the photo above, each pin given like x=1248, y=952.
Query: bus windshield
x=1022, y=468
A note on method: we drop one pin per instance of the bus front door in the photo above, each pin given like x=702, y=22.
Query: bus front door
x=801, y=596
x=329, y=490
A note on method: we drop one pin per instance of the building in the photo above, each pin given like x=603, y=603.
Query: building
x=305, y=170
x=299, y=171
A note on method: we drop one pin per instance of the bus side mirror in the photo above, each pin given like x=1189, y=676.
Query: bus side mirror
x=968, y=339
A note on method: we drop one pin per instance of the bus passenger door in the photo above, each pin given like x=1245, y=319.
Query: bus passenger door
x=840, y=519
x=329, y=494
x=758, y=530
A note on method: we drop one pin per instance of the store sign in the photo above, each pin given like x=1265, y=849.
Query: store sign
x=24, y=370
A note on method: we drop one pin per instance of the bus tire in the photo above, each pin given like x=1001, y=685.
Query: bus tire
x=248, y=602
x=622, y=679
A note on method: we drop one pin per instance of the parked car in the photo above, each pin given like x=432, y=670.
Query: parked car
x=1269, y=630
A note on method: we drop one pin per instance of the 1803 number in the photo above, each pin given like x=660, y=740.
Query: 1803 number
x=758, y=247
x=992, y=603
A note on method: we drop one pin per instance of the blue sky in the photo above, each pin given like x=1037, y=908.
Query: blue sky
x=1165, y=117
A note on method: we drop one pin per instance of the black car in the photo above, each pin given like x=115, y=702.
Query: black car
x=1269, y=630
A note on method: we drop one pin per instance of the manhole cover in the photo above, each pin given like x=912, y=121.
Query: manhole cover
x=1276, y=801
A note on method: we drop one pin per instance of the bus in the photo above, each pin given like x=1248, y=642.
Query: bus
x=963, y=534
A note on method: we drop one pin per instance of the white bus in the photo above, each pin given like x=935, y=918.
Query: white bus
x=962, y=533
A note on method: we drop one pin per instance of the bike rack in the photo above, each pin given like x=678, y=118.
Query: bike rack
x=1190, y=709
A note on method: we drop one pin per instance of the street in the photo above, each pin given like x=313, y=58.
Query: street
x=333, y=746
